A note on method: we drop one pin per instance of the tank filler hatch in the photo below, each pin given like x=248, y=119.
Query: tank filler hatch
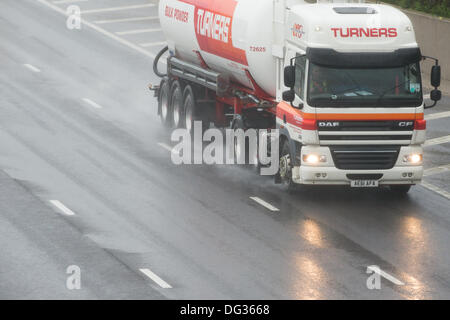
x=341, y=1
x=355, y=10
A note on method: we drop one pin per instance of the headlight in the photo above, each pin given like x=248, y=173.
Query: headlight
x=314, y=158
x=414, y=158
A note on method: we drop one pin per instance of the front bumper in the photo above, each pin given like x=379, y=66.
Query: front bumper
x=327, y=173
x=334, y=176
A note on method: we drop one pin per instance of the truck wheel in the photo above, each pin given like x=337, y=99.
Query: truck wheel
x=164, y=104
x=400, y=189
x=191, y=111
x=285, y=171
x=241, y=148
x=176, y=104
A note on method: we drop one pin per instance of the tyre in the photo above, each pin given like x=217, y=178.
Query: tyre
x=176, y=104
x=285, y=170
x=400, y=189
x=192, y=112
x=241, y=148
x=165, y=113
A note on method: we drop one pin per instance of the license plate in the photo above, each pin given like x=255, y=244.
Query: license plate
x=364, y=183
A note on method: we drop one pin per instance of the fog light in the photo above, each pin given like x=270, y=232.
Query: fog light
x=413, y=158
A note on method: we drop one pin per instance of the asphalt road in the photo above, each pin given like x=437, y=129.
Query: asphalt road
x=78, y=125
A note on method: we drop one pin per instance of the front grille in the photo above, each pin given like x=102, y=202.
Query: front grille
x=364, y=137
x=365, y=157
x=390, y=125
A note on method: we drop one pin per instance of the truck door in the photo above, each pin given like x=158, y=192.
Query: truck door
x=300, y=76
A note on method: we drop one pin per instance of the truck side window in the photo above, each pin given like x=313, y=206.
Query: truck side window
x=300, y=76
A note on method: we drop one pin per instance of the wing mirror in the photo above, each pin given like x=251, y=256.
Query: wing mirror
x=436, y=95
x=289, y=76
x=289, y=95
x=436, y=76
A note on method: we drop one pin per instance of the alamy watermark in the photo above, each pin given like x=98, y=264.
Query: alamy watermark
x=73, y=17
x=227, y=147
x=374, y=280
x=73, y=281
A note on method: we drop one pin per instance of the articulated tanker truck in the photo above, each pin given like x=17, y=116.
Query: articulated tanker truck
x=340, y=80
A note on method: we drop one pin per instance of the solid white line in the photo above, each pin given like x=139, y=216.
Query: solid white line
x=126, y=20
x=264, y=204
x=122, y=33
x=435, y=189
x=104, y=32
x=386, y=275
x=62, y=207
x=156, y=279
x=435, y=141
x=92, y=103
x=153, y=44
x=437, y=115
x=68, y=1
x=437, y=170
x=32, y=68
x=138, y=6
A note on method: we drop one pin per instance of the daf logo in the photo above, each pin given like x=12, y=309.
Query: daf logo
x=329, y=124
x=405, y=124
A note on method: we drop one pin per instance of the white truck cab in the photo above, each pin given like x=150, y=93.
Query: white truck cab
x=355, y=110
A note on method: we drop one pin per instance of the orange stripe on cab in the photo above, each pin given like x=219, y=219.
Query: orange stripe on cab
x=363, y=116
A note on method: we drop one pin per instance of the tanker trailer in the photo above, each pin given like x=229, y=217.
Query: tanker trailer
x=341, y=81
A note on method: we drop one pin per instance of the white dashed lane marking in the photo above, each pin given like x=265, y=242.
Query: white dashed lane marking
x=138, y=6
x=68, y=1
x=154, y=44
x=385, y=275
x=32, y=68
x=62, y=208
x=438, y=190
x=126, y=20
x=439, y=115
x=104, y=32
x=437, y=170
x=165, y=146
x=138, y=31
x=168, y=148
x=265, y=204
x=160, y=282
x=92, y=103
x=436, y=141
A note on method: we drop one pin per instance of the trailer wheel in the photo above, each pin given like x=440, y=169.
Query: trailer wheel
x=176, y=104
x=400, y=189
x=164, y=103
x=241, y=148
x=191, y=111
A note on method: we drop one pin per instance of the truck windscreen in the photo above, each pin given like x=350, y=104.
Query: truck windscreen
x=384, y=87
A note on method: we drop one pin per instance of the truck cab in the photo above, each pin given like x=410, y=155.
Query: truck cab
x=352, y=107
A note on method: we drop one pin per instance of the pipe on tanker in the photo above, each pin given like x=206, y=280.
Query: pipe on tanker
x=155, y=62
